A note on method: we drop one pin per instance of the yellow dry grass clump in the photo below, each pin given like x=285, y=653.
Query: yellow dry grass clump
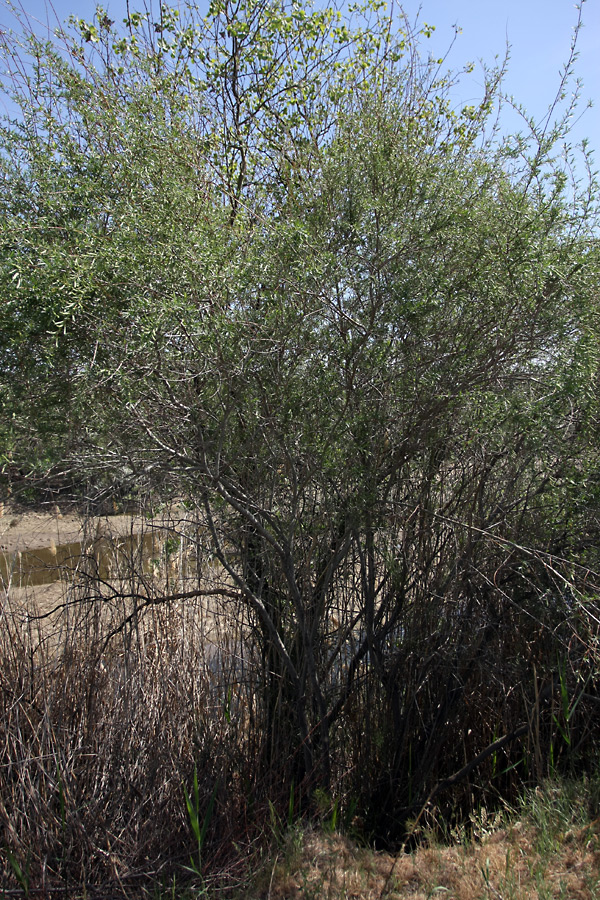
x=515, y=862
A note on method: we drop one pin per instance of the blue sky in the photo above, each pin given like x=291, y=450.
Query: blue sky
x=539, y=32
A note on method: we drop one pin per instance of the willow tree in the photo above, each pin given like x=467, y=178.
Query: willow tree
x=259, y=261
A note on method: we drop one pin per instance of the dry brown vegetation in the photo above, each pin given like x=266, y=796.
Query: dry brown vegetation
x=537, y=855
x=137, y=684
x=108, y=707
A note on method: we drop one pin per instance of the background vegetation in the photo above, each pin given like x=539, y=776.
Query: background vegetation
x=254, y=263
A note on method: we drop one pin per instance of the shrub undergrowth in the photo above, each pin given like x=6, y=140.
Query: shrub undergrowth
x=138, y=741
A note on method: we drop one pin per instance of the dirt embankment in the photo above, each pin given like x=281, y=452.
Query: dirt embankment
x=30, y=530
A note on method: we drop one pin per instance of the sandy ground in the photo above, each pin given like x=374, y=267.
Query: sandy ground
x=20, y=531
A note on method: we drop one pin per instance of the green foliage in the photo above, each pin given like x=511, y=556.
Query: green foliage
x=21, y=876
x=199, y=827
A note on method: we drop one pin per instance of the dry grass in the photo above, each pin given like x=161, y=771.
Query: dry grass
x=105, y=715
x=512, y=862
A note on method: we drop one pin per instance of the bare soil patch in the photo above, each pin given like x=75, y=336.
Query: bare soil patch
x=32, y=529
